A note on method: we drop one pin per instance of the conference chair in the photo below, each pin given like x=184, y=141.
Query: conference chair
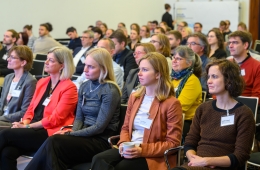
x=41, y=57
x=37, y=69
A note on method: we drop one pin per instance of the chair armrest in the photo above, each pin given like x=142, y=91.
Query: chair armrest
x=113, y=140
x=171, y=151
x=65, y=127
x=258, y=124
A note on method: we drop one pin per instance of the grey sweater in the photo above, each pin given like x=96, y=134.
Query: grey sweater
x=97, y=111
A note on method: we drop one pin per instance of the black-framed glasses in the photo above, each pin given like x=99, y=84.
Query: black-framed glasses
x=191, y=43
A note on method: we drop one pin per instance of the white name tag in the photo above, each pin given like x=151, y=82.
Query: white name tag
x=46, y=101
x=146, y=123
x=82, y=59
x=227, y=120
x=16, y=93
x=243, y=72
x=5, y=57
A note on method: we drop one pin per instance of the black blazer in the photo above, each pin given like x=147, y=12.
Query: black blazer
x=219, y=54
x=129, y=85
x=168, y=19
x=80, y=66
x=127, y=61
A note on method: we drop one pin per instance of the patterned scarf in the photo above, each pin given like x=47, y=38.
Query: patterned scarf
x=184, y=75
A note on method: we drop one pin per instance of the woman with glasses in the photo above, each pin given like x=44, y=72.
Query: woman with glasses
x=186, y=66
x=18, y=87
x=216, y=43
x=162, y=45
x=153, y=122
x=53, y=106
x=132, y=80
x=145, y=34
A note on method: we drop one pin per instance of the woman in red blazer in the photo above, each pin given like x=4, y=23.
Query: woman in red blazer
x=153, y=121
x=53, y=106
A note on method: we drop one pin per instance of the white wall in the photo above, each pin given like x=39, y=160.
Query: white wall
x=82, y=13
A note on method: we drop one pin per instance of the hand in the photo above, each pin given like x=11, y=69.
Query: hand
x=18, y=125
x=196, y=160
x=132, y=152
x=61, y=132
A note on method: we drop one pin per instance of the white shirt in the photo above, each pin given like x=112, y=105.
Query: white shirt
x=79, y=55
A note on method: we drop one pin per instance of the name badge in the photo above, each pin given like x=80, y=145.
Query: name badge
x=227, y=120
x=4, y=57
x=82, y=59
x=243, y=72
x=46, y=101
x=16, y=93
x=146, y=123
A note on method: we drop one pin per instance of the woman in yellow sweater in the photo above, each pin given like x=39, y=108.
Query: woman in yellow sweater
x=186, y=70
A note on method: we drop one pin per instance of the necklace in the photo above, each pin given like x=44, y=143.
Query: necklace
x=93, y=89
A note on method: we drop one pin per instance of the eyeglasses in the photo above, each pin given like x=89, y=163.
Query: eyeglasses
x=153, y=41
x=232, y=42
x=138, y=52
x=12, y=57
x=177, y=59
x=191, y=43
x=84, y=37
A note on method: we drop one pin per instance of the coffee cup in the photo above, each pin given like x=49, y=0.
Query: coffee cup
x=125, y=146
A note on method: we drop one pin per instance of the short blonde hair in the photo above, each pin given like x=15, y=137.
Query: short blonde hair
x=164, y=88
x=64, y=56
x=104, y=60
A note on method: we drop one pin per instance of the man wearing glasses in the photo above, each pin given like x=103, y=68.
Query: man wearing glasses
x=79, y=53
x=9, y=40
x=199, y=44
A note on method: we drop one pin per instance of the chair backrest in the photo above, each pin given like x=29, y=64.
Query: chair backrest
x=123, y=109
x=204, y=94
x=74, y=77
x=252, y=103
x=41, y=57
x=257, y=45
x=37, y=68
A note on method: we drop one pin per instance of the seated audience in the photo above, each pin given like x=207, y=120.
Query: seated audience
x=222, y=27
x=153, y=26
x=197, y=28
x=134, y=37
x=186, y=71
x=136, y=27
x=103, y=28
x=162, y=45
x=241, y=27
x=239, y=42
x=175, y=39
x=199, y=45
x=9, y=40
x=120, y=25
x=164, y=26
x=97, y=118
x=98, y=23
x=109, y=32
x=97, y=35
x=145, y=34
x=23, y=39
x=132, y=81
x=216, y=43
x=227, y=31
x=124, y=30
x=18, y=87
x=222, y=130
x=80, y=52
x=75, y=40
x=185, y=32
x=32, y=38
x=154, y=103
x=159, y=30
x=90, y=27
x=181, y=25
x=52, y=106
x=122, y=55
x=109, y=45
x=45, y=42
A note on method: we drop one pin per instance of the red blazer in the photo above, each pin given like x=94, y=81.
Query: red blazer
x=61, y=109
x=164, y=133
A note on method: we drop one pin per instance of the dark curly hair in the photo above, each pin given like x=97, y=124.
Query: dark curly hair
x=234, y=82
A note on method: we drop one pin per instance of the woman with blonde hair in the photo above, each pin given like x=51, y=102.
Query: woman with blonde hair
x=97, y=118
x=155, y=104
x=52, y=106
x=145, y=34
x=185, y=32
x=162, y=45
